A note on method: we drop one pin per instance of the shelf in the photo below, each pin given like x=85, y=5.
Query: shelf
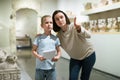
x=102, y=9
x=24, y=42
x=105, y=32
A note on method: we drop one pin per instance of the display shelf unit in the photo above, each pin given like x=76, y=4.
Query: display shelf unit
x=109, y=7
x=104, y=12
x=23, y=42
x=108, y=11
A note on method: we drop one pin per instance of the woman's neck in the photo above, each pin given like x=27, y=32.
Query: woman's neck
x=64, y=28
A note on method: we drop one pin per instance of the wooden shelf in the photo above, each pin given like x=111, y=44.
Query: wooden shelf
x=102, y=9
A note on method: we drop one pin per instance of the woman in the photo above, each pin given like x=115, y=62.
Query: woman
x=74, y=40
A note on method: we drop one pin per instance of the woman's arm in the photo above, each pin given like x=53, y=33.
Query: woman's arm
x=81, y=30
x=77, y=26
x=84, y=33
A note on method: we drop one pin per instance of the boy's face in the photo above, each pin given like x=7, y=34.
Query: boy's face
x=47, y=24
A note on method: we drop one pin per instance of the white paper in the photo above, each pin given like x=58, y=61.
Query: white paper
x=49, y=54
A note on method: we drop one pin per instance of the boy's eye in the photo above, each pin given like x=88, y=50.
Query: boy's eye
x=51, y=22
x=46, y=22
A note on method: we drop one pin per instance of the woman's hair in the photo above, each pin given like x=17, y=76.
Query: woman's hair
x=56, y=28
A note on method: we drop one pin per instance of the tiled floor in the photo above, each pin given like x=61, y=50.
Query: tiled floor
x=26, y=62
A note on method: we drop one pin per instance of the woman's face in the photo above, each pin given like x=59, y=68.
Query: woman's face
x=60, y=19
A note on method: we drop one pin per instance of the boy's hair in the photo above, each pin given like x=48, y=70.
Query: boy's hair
x=42, y=19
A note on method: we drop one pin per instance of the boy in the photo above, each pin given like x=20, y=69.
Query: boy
x=45, y=68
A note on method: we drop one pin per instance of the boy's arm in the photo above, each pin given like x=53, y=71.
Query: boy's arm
x=58, y=51
x=56, y=58
x=34, y=51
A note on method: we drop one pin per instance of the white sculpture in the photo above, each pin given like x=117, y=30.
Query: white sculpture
x=8, y=66
x=7, y=61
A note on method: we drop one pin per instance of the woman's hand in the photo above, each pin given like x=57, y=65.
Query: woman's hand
x=77, y=26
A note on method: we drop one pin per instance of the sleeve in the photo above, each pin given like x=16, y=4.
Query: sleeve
x=57, y=42
x=84, y=33
x=35, y=42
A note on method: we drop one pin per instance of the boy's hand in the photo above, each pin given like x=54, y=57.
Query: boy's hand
x=56, y=58
x=42, y=58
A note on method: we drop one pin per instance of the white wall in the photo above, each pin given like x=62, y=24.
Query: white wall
x=71, y=5
x=47, y=7
x=31, y=4
x=26, y=23
x=5, y=12
x=107, y=48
